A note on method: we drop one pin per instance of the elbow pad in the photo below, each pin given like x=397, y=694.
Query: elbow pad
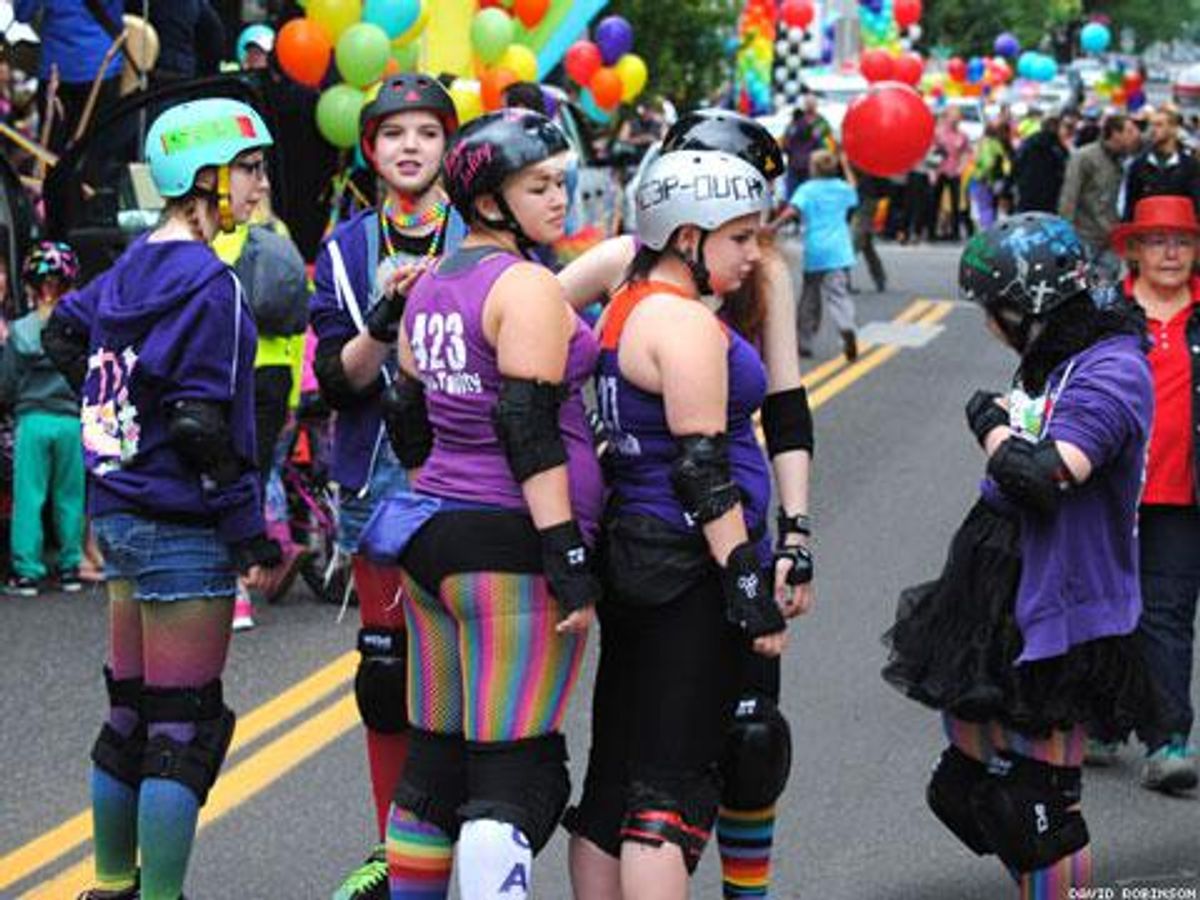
x=526, y=422
x=336, y=387
x=407, y=421
x=67, y=349
x=1031, y=475
x=701, y=479
x=787, y=422
x=199, y=432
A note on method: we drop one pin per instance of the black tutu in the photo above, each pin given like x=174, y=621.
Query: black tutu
x=955, y=641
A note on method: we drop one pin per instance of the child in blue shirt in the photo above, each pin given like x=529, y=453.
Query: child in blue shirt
x=824, y=204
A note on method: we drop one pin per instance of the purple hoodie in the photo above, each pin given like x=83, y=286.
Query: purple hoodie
x=167, y=322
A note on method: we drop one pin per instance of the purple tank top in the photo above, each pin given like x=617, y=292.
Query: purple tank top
x=444, y=323
x=641, y=446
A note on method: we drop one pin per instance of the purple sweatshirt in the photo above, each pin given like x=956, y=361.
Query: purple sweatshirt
x=167, y=322
x=1079, y=573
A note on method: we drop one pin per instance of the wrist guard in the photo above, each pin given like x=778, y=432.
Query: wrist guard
x=748, y=601
x=567, y=565
x=797, y=524
x=984, y=414
x=383, y=319
x=801, y=559
x=255, y=551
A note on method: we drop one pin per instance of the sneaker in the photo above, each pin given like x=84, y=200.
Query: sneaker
x=1101, y=754
x=369, y=881
x=850, y=345
x=1170, y=768
x=97, y=894
x=69, y=581
x=20, y=586
x=243, y=612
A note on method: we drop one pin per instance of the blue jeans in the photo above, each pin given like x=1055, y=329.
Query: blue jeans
x=165, y=561
x=1170, y=558
x=355, y=507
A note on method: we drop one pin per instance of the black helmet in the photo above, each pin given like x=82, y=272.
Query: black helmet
x=490, y=149
x=729, y=132
x=1032, y=264
x=401, y=93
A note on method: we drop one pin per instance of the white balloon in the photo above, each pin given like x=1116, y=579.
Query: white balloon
x=792, y=86
x=914, y=32
x=795, y=35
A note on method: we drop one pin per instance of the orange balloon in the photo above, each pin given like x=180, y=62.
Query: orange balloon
x=606, y=88
x=492, y=84
x=531, y=12
x=392, y=67
x=303, y=50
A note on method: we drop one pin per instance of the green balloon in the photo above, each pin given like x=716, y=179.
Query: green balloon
x=337, y=115
x=492, y=30
x=363, y=51
x=407, y=57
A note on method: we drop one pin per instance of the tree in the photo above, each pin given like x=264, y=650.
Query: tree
x=684, y=43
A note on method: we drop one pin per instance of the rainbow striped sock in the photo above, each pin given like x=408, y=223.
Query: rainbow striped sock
x=420, y=857
x=1055, y=882
x=744, y=839
x=114, y=824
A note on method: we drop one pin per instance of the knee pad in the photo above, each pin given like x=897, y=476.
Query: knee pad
x=194, y=763
x=955, y=776
x=757, y=756
x=381, y=683
x=678, y=810
x=115, y=753
x=1022, y=809
x=524, y=783
x=433, y=784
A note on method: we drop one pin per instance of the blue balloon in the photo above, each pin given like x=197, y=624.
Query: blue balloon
x=1026, y=63
x=394, y=16
x=1045, y=68
x=1095, y=38
x=975, y=70
x=1007, y=45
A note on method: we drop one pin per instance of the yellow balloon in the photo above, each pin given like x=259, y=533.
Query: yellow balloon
x=631, y=69
x=521, y=60
x=414, y=30
x=372, y=92
x=467, y=102
x=335, y=16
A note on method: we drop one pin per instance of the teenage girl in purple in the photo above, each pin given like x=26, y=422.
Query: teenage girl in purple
x=163, y=345
x=688, y=581
x=1026, y=637
x=756, y=758
x=497, y=584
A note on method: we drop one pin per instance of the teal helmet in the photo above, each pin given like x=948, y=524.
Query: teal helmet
x=261, y=36
x=188, y=137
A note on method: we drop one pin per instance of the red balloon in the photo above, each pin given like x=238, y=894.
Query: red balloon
x=877, y=65
x=907, y=12
x=303, y=51
x=606, y=88
x=956, y=69
x=1132, y=82
x=908, y=68
x=797, y=13
x=492, y=83
x=888, y=130
x=531, y=12
x=583, y=61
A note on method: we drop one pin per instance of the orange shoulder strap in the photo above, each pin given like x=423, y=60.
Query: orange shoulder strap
x=623, y=302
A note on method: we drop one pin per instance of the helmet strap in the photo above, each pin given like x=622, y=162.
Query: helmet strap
x=508, y=222
x=224, y=200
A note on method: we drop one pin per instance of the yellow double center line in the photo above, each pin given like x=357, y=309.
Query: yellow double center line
x=258, y=770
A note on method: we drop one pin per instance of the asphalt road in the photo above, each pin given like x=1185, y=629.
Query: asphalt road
x=895, y=471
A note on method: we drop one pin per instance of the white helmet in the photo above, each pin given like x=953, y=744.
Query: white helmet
x=705, y=188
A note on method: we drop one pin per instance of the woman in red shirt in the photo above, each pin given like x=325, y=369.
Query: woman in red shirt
x=1161, y=246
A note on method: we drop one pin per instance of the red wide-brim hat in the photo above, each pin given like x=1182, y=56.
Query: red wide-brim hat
x=1159, y=213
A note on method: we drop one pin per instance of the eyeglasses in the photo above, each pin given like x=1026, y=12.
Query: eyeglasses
x=256, y=169
x=1163, y=241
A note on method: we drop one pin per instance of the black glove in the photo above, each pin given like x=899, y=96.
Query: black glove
x=801, y=559
x=567, y=565
x=748, y=601
x=259, y=550
x=383, y=319
x=984, y=414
